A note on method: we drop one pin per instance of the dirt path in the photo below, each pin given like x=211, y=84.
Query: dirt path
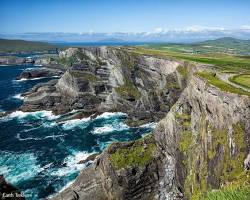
x=225, y=77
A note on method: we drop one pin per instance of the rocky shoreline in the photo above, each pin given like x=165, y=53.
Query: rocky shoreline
x=201, y=140
x=100, y=81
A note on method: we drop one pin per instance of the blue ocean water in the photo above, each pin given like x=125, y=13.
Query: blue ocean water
x=39, y=153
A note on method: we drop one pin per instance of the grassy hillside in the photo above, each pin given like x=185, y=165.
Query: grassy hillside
x=224, y=62
x=225, y=45
x=22, y=45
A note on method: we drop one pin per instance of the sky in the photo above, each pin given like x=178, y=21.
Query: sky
x=108, y=16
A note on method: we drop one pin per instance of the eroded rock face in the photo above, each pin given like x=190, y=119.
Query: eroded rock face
x=40, y=73
x=206, y=134
x=100, y=79
x=202, y=143
x=110, y=178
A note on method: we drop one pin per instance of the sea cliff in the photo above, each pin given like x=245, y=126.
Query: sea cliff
x=199, y=147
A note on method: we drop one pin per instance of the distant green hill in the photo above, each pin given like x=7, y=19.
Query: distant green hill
x=25, y=46
x=226, y=45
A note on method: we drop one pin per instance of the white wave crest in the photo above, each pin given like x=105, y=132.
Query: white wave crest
x=72, y=164
x=71, y=124
x=107, y=115
x=110, y=128
x=33, y=79
x=18, y=96
x=150, y=125
x=36, y=138
x=29, y=68
x=37, y=114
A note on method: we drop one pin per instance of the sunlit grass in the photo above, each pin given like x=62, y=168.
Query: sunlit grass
x=241, y=79
x=213, y=80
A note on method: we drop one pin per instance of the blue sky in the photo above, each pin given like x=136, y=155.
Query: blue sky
x=20, y=16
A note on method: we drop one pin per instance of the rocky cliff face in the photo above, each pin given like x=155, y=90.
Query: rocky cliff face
x=201, y=143
x=206, y=136
x=102, y=79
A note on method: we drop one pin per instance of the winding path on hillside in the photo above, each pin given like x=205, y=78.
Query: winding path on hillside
x=226, y=78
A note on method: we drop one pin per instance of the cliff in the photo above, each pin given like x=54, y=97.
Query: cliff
x=206, y=134
x=100, y=79
x=199, y=148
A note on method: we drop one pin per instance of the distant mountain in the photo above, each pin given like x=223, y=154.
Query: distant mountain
x=226, y=42
x=25, y=46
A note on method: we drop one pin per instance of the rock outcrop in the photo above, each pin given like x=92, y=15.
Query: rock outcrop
x=100, y=79
x=42, y=72
x=206, y=134
x=130, y=170
x=201, y=143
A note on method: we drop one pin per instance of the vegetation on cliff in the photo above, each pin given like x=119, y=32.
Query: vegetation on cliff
x=241, y=79
x=138, y=154
x=214, y=80
x=210, y=163
x=128, y=90
x=84, y=76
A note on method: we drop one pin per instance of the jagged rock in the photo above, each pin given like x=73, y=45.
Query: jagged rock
x=247, y=162
x=104, y=180
x=206, y=134
x=39, y=73
x=101, y=80
x=203, y=141
x=89, y=158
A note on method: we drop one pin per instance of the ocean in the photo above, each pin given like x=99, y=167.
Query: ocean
x=40, y=151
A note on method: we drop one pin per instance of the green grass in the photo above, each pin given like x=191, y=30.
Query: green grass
x=213, y=80
x=138, y=155
x=241, y=193
x=22, y=45
x=128, y=90
x=222, y=45
x=183, y=70
x=222, y=61
x=241, y=79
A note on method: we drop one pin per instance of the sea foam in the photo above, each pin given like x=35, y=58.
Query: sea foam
x=107, y=115
x=72, y=164
x=37, y=114
x=18, y=96
x=108, y=128
x=73, y=123
x=18, y=167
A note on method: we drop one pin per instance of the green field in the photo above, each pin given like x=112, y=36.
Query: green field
x=213, y=80
x=222, y=61
x=226, y=53
x=241, y=79
x=226, y=45
x=226, y=63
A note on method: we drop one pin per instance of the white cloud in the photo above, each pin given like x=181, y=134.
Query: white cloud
x=197, y=28
x=158, y=30
x=245, y=27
